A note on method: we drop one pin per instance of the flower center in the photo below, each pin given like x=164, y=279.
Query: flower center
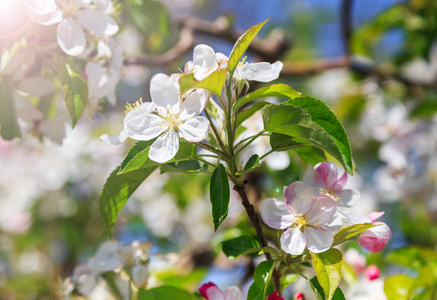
x=301, y=221
x=330, y=192
x=172, y=120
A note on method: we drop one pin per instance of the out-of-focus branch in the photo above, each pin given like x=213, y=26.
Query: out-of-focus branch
x=346, y=25
x=269, y=49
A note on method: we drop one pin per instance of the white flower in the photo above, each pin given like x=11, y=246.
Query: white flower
x=174, y=118
x=72, y=18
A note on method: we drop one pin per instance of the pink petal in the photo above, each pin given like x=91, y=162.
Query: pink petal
x=312, y=178
x=348, y=198
x=233, y=293
x=318, y=239
x=275, y=296
x=322, y=210
x=376, y=238
x=293, y=241
x=276, y=214
x=205, y=287
x=214, y=293
x=298, y=196
x=329, y=174
x=194, y=130
x=165, y=147
x=340, y=183
x=373, y=216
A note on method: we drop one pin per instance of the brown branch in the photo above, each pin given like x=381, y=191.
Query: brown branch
x=346, y=25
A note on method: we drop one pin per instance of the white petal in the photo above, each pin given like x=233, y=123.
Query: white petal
x=348, y=198
x=164, y=93
x=194, y=104
x=204, y=55
x=335, y=225
x=165, y=147
x=298, y=196
x=194, y=130
x=322, y=210
x=140, y=275
x=293, y=241
x=106, y=257
x=143, y=127
x=233, y=293
x=103, y=5
x=262, y=72
x=94, y=72
x=71, y=37
x=97, y=21
x=276, y=214
x=312, y=178
x=40, y=7
x=214, y=293
x=37, y=86
x=46, y=19
x=115, y=139
x=318, y=239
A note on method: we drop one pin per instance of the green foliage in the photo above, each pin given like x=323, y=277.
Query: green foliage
x=328, y=269
x=351, y=231
x=398, y=287
x=247, y=113
x=311, y=120
x=244, y=244
x=75, y=91
x=241, y=46
x=117, y=190
x=275, y=90
x=251, y=165
x=428, y=108
x=184, y=166
x=165, y=292
x=320, y=294
x=213, y=83
x=9, y=128
x=261, y=277
x=219, y=194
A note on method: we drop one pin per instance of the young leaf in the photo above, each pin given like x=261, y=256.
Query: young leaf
x=251, y=165
x=75, y=91
x=138, y=155
x=246, y=114
x=261, y=277
x=165, y=292
x=8, y=120
x=275, y=90
x=349, y=232
x=328, y=269
x=325, y=118
x=219, y=194
x=244, y=244
x=399, y=287
x=320, y=294
x=213, y=83
x=283, y=142
x=311, y=155
x=184, y=166
x=241, y=46
x=117, y=190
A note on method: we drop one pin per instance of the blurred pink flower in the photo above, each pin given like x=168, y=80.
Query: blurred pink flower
x=372, y=272
x=211, y=292
x=275, y=296
x=303, y=217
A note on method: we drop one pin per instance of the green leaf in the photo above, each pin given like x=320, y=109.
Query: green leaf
x=165, y=292
x=320, y=294
x=251, y=165
x=241, y=46
x=213, y=83
x=7, y=54
x=399, y=287
x=75, y=91
x=349, y=232
x=117, y=190
x=275, y=90
x=413, y=257
x=244, y=244
x=185, y=166
x=261, y=277
x=287, y=279
x=246, y=114
x=311, y=155
x=326, y=119
x=9, y=128
x=138, y=155
x=328, y=269
x=219, y=194
x=425, y=109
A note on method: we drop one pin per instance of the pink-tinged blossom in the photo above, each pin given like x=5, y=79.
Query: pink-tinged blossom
x=376, y=238
x=275, y=296
x=303, y=217
x=210, y=291
x=299, y=296
x=372, y=272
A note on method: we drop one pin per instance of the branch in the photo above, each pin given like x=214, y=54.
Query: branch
x=346, y=25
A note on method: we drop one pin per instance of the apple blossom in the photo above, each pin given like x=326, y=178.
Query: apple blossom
x=376, y=238
x=211, y=292
x=173, y=118
x=303, y=216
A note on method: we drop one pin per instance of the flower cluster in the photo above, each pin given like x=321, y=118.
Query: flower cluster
x=315, y=209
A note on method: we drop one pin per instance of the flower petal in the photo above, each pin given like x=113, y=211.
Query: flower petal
x=329, y=174
x=195, y=129
x=165, y=147
x=41, y=7
x=262, y=72
x=214, y=293
x=312, y=178
x=348, y=198
x=340, y=183
x=71, y=37
x=375, y=238
x=375, y=215
x=140, y=276
x=276, y=214
x=46, y=19
x=318, y=239
x=205, y=287
x=204, y=55
x=335, y=224
x=106, y=258
x=194, y=104
x=115, y=139
x=164, y=93
x=298, y=196
x=322, y=210
x=97, y=21
x=143, y=127
x=293, y=241
x=233, y=293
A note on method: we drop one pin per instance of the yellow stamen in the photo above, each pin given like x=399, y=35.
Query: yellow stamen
x=133, y=106
x=301, y=221
x=330, y=192
x=172, y=120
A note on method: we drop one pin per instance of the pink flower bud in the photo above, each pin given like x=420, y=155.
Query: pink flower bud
x=372, y=272
x=376, y=238
x=299, y=296
x=275, y=296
